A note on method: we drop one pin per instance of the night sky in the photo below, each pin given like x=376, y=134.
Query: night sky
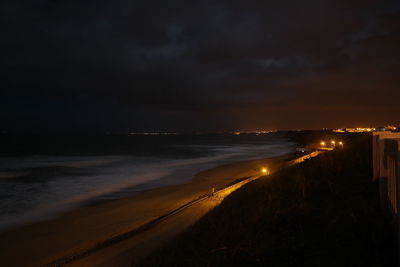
x=123, y=65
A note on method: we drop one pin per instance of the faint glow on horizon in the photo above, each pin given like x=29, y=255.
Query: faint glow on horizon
x=152, y=133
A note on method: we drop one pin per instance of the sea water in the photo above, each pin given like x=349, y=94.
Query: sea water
x=41, y=183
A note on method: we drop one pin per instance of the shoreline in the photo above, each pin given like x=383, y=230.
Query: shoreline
x=44, y=186
x=86, y=226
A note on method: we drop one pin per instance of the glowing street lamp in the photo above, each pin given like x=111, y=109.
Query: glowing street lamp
x=264, y=171
x=333, y=142
x=323, y=143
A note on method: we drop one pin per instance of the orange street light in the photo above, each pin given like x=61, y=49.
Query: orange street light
x=323, y=143
x=333, y=142
x=341, y=143
x=264, y=171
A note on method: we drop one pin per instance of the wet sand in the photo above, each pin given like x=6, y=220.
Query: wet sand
x=81, y=229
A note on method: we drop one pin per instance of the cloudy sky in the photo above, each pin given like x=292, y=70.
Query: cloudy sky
x=120, y=66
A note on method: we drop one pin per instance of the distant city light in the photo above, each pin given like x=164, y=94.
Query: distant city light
x=323, y=143
x=333, y=142
x=355, y=130
x=391, y=128
x=264, y=170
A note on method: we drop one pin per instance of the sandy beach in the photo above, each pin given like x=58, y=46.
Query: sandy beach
x=81, y=229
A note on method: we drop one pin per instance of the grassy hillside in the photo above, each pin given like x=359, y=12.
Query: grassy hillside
x=324, y=212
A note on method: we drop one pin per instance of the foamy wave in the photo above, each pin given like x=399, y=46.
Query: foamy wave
x=110, y=177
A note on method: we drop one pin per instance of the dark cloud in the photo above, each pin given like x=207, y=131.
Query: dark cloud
x=175, y=65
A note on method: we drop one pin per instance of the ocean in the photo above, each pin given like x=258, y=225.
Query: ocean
x=43, y=176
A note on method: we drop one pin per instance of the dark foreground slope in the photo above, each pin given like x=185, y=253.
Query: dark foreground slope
x=324, y=212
